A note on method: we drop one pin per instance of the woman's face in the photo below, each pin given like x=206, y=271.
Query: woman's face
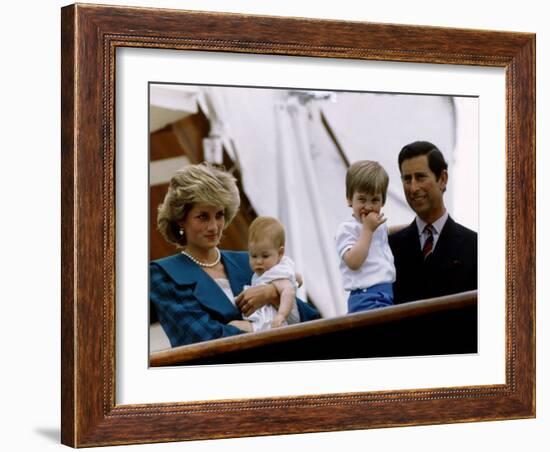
x=203, y=226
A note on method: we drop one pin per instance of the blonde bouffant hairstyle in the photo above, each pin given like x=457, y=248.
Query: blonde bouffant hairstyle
x=267, y=227
x=196, y=184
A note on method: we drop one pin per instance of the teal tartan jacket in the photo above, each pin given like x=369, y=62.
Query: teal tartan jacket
x=190, y=305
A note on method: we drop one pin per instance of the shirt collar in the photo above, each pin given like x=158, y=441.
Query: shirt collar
x=437, y=224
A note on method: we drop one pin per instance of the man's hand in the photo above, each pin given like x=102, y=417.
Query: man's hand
x=253, y=298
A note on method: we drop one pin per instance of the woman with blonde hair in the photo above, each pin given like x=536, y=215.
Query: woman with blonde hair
x=194, y=291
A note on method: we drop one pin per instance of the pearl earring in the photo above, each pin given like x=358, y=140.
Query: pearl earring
x=182, y=232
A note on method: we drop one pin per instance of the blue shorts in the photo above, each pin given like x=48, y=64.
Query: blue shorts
x=377, y=296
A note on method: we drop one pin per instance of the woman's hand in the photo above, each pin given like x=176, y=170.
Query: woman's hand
x=243, y=325
x=253, y=298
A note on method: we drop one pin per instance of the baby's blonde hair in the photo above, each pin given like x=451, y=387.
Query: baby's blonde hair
x=196, y=184
x=366, y=176
x=270, y=227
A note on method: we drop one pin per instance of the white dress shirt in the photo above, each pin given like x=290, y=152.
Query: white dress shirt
x=437, y=227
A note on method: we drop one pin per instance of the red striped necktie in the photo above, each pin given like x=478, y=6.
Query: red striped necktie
x=429, y=243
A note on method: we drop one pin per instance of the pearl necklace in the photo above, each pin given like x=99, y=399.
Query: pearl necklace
x=203, y=264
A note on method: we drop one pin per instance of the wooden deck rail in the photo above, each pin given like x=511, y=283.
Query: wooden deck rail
x=444, y=325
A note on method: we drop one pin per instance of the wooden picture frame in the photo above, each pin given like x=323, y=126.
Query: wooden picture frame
x=90, y=36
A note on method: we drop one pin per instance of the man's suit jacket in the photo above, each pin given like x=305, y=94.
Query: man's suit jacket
x=450, y=268
x=192, y=307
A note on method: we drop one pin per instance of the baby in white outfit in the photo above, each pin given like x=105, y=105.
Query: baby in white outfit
x=266, y=240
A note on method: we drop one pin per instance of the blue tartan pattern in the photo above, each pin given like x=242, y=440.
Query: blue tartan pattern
x=191, y=307
x=184, y=320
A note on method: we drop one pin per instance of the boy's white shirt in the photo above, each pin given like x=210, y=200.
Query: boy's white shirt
x=261, y=319
x=378, y=267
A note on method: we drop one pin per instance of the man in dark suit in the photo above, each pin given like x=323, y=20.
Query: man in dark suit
x=434, y=255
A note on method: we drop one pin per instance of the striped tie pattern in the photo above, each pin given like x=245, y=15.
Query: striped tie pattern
x=429, y=243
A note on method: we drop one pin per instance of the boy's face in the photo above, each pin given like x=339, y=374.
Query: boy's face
x=264, y=255
x=364, y=203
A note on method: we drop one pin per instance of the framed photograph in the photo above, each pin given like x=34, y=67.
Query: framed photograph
x=292, y=167
x=287, y=105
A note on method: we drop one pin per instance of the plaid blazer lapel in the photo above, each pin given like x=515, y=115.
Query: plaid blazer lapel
x=207, y=292
x=237, y=269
